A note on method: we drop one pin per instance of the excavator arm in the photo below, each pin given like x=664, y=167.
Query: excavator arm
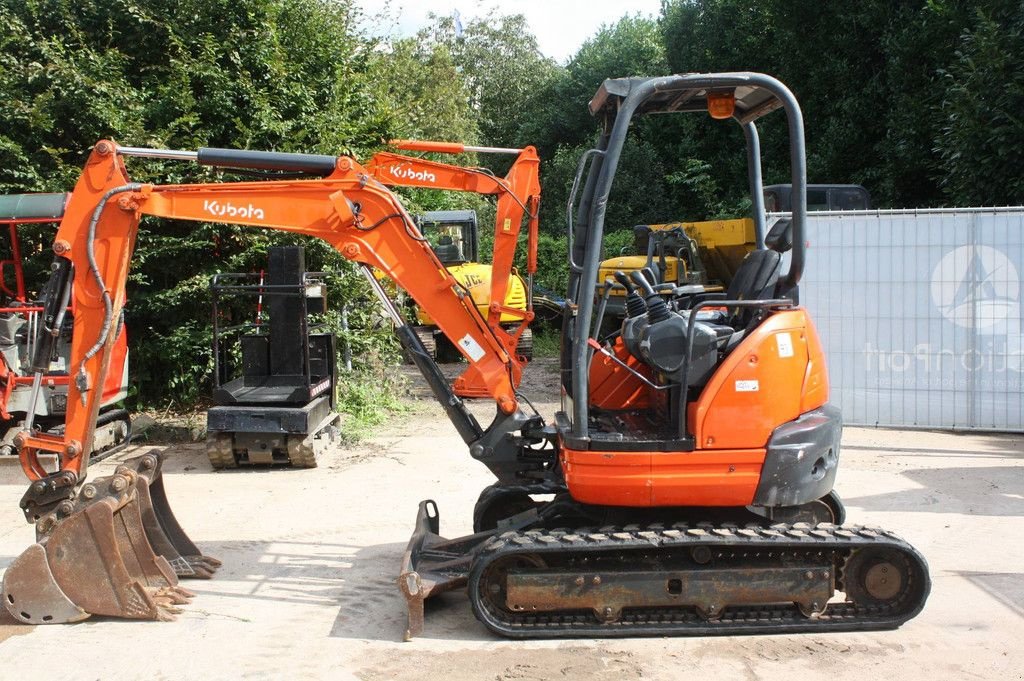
x=518, y=197
x=349, y=209
x=111, y=546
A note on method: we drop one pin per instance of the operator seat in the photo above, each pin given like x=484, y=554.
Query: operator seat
x=447, y=252
x=756, y=279
x=758, y=275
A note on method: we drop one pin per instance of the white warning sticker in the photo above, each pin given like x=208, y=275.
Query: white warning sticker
x=471, y=347
x=785, y=342
x=747, y=386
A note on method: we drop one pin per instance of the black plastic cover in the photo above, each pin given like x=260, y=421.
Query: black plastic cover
x=802, y=459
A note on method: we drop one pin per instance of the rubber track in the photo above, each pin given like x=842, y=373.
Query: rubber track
x=220, y=452
x=303, y=454
x=524, y=347
x=786, y=541
x=106, y=418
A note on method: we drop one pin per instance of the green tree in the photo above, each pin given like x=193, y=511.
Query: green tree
x=981, y=139
x=915, y=99
x=288, y=75
x=425, y=91
x=503, y=69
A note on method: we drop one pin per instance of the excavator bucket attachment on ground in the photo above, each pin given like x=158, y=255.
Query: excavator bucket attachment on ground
x=162, y=528
x=115, y=550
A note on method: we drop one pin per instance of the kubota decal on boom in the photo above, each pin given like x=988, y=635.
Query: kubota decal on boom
x=404, y=172
x=218, y=209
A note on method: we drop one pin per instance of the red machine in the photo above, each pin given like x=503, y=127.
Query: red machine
x=19, y=324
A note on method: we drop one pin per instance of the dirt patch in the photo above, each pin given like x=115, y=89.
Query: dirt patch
x=10, y=627
x=506, y=664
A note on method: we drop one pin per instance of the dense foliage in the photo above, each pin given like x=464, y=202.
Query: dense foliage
x=919, y=100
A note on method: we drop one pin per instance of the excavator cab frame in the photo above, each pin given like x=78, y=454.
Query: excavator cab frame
x=617, y=102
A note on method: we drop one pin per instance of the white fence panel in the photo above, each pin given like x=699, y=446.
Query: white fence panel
x=920, y=315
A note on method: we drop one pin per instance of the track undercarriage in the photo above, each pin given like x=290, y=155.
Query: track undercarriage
x=542, y=576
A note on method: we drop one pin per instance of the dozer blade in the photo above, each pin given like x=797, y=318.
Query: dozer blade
x=108, y=552
x=432, y=564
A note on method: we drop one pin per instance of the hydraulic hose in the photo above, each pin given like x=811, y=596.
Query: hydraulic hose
x=108, y=303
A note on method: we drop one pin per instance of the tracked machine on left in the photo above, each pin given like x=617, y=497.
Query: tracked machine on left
x=684, y=487
x=24, y=399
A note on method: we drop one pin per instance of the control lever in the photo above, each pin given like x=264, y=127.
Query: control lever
x=635, y=305
x=657, y=308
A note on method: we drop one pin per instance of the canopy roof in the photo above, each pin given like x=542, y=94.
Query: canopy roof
x=687, y=92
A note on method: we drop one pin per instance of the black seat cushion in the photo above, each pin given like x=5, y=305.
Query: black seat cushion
x=780, y=236
x=756, y=279
x=447, y=252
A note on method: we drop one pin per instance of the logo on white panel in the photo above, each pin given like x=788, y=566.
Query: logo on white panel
x=976, y=286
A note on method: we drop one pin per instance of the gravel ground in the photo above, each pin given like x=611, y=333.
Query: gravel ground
x=310, y=560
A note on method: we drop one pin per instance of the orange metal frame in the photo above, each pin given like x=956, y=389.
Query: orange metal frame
x=518, y=196
x=357, y=216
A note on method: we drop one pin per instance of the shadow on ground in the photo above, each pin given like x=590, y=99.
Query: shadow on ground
x=974, y=490
x=361, y=583
x=1005, y=587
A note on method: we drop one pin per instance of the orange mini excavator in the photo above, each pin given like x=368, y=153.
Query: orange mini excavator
x=685, y=487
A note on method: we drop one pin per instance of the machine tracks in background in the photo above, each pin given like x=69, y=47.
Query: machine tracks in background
x=301, y=453
x=696, y=580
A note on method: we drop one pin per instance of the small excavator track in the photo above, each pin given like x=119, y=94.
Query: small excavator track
x=220, y=452
x=119, y=422
x=696, y=580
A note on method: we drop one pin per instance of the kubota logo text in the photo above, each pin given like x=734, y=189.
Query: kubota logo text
x=404, y=172
x=230, y=210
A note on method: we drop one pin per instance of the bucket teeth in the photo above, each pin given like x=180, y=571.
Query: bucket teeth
x=116, y=551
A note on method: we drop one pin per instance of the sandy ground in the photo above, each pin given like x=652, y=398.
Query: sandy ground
x=310, y=559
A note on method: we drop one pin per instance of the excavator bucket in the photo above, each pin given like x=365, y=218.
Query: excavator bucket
x=115, y=550
x=162, y=528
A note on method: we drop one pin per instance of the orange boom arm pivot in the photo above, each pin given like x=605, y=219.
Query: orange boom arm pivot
x=348, y=209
